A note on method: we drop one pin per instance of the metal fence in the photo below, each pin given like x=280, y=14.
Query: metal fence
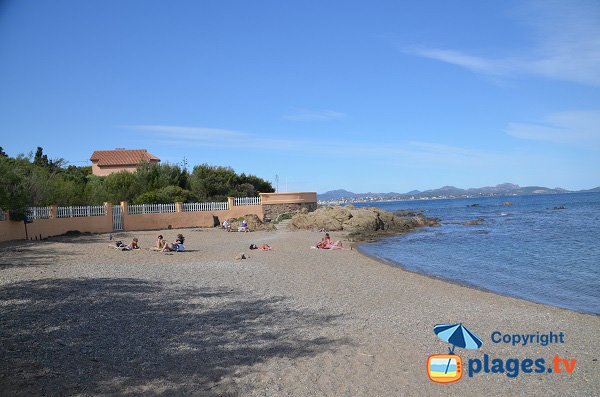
x=246, y=201
x=73, y=212
x=32, y=213
x=189, y=207
x=150, y=209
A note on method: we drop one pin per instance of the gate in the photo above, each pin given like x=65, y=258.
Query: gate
x=117, y=220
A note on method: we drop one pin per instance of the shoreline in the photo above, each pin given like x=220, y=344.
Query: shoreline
x=82, y=318
x=397, y=265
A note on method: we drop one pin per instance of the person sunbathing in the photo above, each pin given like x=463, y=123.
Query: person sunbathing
x=176, y=246
x=325, y=241
x=327, y=244
x=133, y=245
x=160, y=243
x=262, y=247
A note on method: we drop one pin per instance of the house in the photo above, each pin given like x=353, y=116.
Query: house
x=105, y=162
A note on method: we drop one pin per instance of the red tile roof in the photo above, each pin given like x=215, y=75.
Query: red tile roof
x=122, y=157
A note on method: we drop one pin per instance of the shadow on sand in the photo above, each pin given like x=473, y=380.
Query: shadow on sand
x=131, y=336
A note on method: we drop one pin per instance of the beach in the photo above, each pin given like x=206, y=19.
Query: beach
x=80, y=318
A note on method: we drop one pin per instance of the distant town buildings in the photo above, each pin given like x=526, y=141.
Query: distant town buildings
x=105, y=162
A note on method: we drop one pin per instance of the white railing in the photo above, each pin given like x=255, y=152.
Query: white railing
x=189, y=207
x=73, y=212
x=150, y=209
x=246, y=201
x=32, y=213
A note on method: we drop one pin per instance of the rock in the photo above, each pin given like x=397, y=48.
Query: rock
x=362, y=223
x=254, y=223
x=474, y=222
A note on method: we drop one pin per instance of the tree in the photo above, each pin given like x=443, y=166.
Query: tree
x=2, y=153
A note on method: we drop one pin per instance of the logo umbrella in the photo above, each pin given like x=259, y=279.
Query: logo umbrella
x=457, y=335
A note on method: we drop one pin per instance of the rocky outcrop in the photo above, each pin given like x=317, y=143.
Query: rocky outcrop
x=254, y=223
x=362, y=224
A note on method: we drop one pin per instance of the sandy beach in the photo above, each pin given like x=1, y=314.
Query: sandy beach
x=80, y=318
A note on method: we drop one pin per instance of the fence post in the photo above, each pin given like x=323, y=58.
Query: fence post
x=230, y=202
x=53, y=212
x=178, y=206
x=124, y=213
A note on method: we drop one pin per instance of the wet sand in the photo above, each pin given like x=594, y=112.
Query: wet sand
x=80, y=318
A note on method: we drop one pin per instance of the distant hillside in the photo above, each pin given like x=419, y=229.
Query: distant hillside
x=504, y=189
x=594, y=190
x=336, y=195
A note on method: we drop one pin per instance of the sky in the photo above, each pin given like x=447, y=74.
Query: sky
x=374, y=96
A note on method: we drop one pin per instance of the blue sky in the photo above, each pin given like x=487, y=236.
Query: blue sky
x=366, y=96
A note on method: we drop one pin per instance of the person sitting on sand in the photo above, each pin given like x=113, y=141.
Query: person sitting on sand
x=262, y=247
x=177, y=246
x=243, y=227
x=160, y=243
x=227, y=225
x=325, y=241
x=327, y=244
x=133, y=245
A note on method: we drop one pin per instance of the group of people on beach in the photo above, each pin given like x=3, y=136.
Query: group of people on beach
x=242, y=228
x=163, y=246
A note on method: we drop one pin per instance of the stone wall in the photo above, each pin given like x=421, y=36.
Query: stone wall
x=272, y=211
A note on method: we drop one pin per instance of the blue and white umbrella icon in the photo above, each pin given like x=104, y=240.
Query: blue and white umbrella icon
x=457, y=335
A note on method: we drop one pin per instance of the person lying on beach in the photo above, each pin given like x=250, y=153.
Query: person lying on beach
x=262, y=247
x=177, y=246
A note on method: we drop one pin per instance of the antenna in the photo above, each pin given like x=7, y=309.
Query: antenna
x=277, y=183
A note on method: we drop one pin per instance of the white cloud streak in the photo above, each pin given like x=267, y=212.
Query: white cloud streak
x=416, y=153
x=567, y=45
x=313, y=115
x=579, y=128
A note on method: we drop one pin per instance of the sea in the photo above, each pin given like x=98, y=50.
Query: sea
x=542, y=248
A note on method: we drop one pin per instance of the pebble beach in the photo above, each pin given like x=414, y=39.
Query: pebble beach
x=80, y=318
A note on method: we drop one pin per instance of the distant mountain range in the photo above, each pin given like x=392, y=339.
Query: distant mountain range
x=504, y=189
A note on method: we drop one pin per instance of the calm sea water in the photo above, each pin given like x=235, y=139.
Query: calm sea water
x=528, y=250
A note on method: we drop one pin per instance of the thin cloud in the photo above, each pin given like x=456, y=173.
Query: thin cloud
x=580, y=128
x=567, y=45
x=415, y=153
x=313, y=115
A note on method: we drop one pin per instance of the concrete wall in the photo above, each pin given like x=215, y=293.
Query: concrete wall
x=177, y=220
x=275, y=204
x=42, y=228
x=272, y=205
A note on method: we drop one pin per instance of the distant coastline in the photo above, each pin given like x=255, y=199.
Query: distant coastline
x=445, y=193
